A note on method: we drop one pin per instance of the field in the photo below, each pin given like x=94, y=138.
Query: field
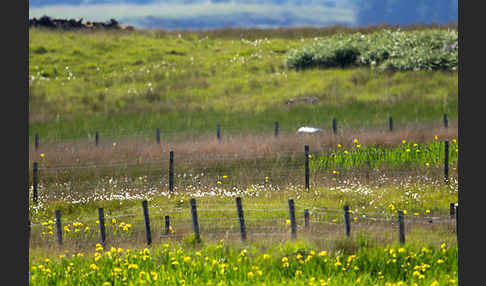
x=125, y=85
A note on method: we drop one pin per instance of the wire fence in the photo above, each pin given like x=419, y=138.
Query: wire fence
x=233, y=223
x=274, y=128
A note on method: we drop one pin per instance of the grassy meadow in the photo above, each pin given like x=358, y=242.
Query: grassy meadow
x=130, y=83
x=125, y=84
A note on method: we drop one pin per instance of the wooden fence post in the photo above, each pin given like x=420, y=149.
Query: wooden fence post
x=157, y=135
x=401, y=227
x=218, y=132
x=293, y=225
x=446, y=161
x=147, y=222
x=390, y=123
x=306, y=218
x=457, y=222
x=334, y=125
x=167, y=225
x=101, y=219
x=276, y=128
x=34, y=182
x=347, y=225
x=446, y=121
x=171, y=171
x=36, y=141
x=306, y=150
x=195, y=223
x=241, y=218
x=97, y=138
x=59, y=227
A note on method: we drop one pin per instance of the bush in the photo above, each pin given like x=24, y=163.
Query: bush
x=385, y=49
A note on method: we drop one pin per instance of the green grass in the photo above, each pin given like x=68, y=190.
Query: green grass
x=198, y=82
x=292, y=263
x=407, y=154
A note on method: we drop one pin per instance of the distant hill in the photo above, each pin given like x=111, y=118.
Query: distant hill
x=208, y=14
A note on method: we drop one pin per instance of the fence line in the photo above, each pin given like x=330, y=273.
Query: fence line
x=271, y=126
x=243, y=228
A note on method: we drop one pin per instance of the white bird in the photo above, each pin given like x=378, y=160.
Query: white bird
x=308, y=130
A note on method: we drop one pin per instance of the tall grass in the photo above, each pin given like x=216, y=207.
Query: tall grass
x=406, y=154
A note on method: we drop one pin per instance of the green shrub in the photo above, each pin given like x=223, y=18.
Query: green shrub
x=385, y=49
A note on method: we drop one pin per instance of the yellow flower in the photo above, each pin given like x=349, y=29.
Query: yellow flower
x=287, y=221
x=113, y=221
x=107, y=283
x=322, y=253
x=415, y=214
x=187, y=259
x=132, y=266
x=250, y=274
x=404, y=141
x=298, y=272
x=440, y=261
x=454, y=141
x=94, y=267
x=339, y=145
x=404, y=211
x=358, y=146
x=42, y=155
x=224, y=177
x=436, y=137
x=284, y=259
x=427, y=211
x=346, y=152
x=219, y=182
x=155, y=276
x=355, y=141
x=266, y=256
x=408, y=150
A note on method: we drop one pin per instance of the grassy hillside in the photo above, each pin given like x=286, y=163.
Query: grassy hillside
x=126, y=83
